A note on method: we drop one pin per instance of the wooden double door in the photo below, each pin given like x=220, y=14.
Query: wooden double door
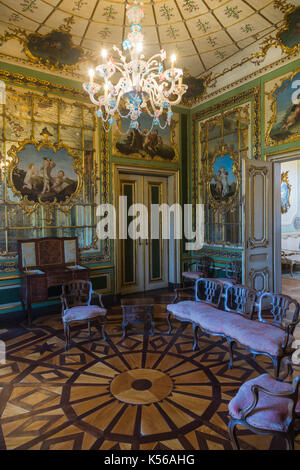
x=142, y=261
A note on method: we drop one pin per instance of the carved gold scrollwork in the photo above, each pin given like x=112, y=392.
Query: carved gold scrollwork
x=271, y=41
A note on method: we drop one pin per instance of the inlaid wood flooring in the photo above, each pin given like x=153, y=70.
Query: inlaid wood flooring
x=143, y=392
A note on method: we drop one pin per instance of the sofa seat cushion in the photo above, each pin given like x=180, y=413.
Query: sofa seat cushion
x=227, y=282
x=190, y=310
x=84, y=312
x=193, y=275
x=271, y=412
x=256, y=336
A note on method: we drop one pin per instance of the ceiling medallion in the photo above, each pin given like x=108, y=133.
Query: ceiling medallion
x=143, y=86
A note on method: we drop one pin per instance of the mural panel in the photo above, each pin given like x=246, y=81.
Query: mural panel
x=282, y=110
x=158, y=144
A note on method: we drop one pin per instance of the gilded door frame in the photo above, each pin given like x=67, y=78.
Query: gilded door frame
x=173, y=176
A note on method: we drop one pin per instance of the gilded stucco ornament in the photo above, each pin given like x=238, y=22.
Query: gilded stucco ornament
x=54, y=50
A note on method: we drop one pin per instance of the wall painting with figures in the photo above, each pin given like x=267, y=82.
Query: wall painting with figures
x=41, y=173
x=282, y=110
x=158, y=144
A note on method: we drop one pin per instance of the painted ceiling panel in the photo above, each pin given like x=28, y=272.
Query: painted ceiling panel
x=203, y=33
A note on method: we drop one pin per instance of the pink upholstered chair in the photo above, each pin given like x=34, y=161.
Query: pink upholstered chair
x=268, y=407
x=198, y=269
x=76, y=307
x=233, y=274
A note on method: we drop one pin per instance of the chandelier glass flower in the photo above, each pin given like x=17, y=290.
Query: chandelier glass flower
x=141, y=86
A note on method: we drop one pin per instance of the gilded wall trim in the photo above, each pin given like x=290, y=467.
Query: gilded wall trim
x=19, y=79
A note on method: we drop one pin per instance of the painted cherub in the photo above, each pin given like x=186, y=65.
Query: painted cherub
x=31, y=177
x=46, y=172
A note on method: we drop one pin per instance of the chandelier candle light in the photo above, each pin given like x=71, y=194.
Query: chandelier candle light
x=144, y=86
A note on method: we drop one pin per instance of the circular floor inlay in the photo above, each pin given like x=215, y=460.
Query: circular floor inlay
x=141, y=386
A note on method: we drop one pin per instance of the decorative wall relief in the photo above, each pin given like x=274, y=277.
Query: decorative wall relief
x=46, y=174
x=285, y=192
x=159, y=144
x=282, y=110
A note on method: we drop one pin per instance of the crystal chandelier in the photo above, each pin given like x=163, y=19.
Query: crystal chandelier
x=141, y=86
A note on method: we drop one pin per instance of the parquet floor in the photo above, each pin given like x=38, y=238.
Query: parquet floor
x=144, y=392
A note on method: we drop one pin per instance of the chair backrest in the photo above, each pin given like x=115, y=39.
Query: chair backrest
x=234, y=270
x=278, y=306
x=77, y=293
x=209, y=291
x=240, y=299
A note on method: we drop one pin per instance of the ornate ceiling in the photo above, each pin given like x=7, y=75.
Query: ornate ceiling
x=203, y=33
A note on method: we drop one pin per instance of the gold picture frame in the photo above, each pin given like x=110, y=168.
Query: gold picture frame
x=223, y=180
x=31, y=181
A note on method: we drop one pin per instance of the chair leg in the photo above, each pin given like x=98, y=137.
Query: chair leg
x=230, y=343
x=90, y=333
x=232, y=434
x=277, y=364
x=103, y=330
x=169, y=323
x=67, y=335
x=196, y=329
x=102, y=326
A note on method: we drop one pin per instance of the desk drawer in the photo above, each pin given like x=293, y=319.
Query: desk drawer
x=58, y=279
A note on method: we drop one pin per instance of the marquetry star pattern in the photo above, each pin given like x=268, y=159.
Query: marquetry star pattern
x=203, y=33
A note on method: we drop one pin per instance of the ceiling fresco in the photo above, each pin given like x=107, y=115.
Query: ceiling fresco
x=69, y=34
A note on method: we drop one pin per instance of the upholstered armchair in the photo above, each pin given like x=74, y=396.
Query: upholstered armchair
x=268, y=407
x=274, y=311
x=233, y=273
x=198, y=269
x=76, y=307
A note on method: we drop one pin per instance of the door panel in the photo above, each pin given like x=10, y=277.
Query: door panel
x=258, y=191
x=156, y=259
x=143, y=263
x=131, y=251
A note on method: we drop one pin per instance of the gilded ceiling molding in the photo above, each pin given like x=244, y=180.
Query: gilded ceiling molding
x=286, y=38
x=249, y=77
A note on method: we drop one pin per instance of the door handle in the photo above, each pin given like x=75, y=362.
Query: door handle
x=140, y=241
